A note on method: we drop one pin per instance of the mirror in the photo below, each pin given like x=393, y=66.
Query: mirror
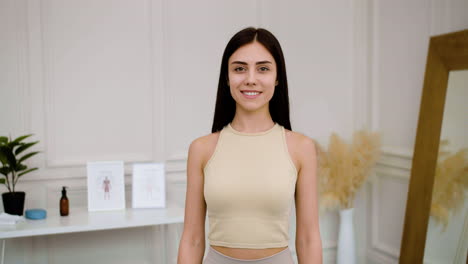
x=447, y=53
x=447, y=233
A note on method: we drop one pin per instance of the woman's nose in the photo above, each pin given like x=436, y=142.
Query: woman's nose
x=251, y=78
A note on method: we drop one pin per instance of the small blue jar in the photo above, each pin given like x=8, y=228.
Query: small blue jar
x=36, y=214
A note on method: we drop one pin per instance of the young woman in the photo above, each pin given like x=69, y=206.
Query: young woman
x=247, y=173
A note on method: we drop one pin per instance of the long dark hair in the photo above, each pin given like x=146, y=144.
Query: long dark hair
x=279, y=104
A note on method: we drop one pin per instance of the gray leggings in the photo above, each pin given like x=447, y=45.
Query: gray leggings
x=215, y=257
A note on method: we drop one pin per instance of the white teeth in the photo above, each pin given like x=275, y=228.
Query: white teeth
x=251, y=93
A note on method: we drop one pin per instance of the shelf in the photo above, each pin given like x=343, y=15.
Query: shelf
x=80, y=220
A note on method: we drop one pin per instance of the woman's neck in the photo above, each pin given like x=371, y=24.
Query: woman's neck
x=252, y=123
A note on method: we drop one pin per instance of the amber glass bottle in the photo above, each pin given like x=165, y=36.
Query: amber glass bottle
x=64, y=202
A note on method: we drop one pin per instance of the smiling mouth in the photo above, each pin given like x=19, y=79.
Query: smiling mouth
x=251, y=93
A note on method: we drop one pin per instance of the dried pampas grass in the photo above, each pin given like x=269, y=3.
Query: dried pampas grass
x=344, y=168
x=450, y=184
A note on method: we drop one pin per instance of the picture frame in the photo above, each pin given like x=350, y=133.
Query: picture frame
x=106, y=186
x=148, y=185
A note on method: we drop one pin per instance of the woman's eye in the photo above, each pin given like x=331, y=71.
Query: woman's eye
x=264, y=69
x=239, y=69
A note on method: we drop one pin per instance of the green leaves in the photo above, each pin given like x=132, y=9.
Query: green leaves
x=24, y=147
x=28, y=171
x=19, y=139
x=7, y=155
x=20, y=167
x=3, y=158
x=5, y=170
x=10, y=160
x=27, y=156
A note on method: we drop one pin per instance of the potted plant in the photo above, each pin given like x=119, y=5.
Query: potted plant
x=12, y=168
x=342, y=170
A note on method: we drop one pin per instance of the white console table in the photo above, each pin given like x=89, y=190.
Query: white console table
x=80, y=220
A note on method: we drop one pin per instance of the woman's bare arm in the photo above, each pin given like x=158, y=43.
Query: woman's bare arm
x=308, y=241
x=192, y=243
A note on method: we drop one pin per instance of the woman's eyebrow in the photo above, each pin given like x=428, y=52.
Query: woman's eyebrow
x=264, y=62
x=239, y=62
x=245, y=63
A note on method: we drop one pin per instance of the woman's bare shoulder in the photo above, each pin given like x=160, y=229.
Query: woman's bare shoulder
x=299, y=146
x=204, y=146
x=298, y=139
x=204, y=142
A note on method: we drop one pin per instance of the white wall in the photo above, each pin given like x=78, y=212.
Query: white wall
x=136, y=81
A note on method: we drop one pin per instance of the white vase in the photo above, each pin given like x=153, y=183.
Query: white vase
x=346, y=243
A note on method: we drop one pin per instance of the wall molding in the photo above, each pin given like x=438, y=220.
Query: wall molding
x=151, y=42
x=23, y=64
x=173, y=166
x=164, y=42
x=395, y=162
x=376, y=243
x=361, y=103
x=159, y=61
x=47, y=66
x=53, y=160
x=396, y=158
x=374, y=61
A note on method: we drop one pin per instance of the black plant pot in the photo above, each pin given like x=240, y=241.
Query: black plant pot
x=13, y=202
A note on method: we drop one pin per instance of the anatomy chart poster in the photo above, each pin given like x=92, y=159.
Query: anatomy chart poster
x=148, y=185
x=106, y=188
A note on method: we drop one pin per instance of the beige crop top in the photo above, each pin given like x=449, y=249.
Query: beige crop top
x=249, y=188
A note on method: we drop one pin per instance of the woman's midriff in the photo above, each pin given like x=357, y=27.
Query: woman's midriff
x=247, y=253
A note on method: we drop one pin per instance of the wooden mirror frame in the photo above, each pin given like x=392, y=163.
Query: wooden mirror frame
x=446, y=53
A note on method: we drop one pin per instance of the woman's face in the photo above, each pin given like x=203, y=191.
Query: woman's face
x=252, y=77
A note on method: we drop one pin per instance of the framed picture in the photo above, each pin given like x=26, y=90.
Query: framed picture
x=148, y=185
x=106, y=187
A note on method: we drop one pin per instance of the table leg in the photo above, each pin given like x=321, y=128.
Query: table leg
x=3, y=251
